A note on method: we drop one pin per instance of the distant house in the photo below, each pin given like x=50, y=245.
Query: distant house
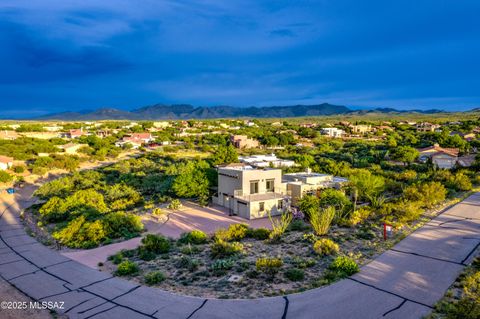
x=441, y=157
x=361, y=129
x=308, y=125
x=53, y=128
x=333, y=132
x=5, y=162
x=8, y=135
x=427, y=127
x=263, y=161
x=466, y=136
x=76, y=133
x=242, y=141
x=466, y=160
x=136, y=140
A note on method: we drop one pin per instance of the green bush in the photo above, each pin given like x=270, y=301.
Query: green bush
x=154, y=277
x=188, y=263
x=325, y=247
x=80, y=233
x=279, y=226
x=19, y=169
x=121, y=224
x=117, y=258
x=235, y=232
x=126, y=268
x=295, y=274
x=196, y=237
x=298, y=225
x=156, y=244
x=259, y=233
x=321, y=220
x=344, y=266
x=303, y=262
x=220, y=266
x=222, y=249
x=269, y=266
x=145, y=254
x=175, y=204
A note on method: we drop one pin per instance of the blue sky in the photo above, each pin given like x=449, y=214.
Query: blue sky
x=58, y=55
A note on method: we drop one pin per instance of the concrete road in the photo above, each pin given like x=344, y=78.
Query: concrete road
x=404, y=282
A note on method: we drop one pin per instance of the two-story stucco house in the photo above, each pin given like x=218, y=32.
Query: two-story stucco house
x=249, y=192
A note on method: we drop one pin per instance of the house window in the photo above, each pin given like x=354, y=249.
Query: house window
x=261, y=206
x=254, y=187
x=270, y=185
x=280, y=204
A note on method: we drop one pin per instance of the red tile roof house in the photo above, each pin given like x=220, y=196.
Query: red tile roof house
x=441, y=157
x=136, y=139
x=76, y=133
x=5, y=162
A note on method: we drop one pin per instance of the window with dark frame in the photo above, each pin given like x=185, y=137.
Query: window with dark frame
x=270, y=185
x=254, y=187
x=261, y=206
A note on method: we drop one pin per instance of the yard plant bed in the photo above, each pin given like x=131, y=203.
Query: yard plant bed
x=190, y=269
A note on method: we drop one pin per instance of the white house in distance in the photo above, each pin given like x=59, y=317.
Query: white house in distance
x=333, y=132
x=5, y=162
x=262, y=161
x=251, y=193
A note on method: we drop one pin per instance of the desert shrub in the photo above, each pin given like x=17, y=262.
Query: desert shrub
x=126, y=268
x=269, y=266
x=158, y=212
x=279, y=226
x=5, y=177
x=237, y=232
x=196, y=237
x=121, y=224
x=222, y=249
x=359, y=216
x=19, y=169
x=459, y=182
x=116, y=258
x=344, y=266
x=145, y=254
x=325, y=247
x=321, y=220
x=175, y=204
x=154, y=277
x=298, y=225
x=156, y=244
x=311, y=237
x=190, y=249
x=220, y=266
x=258, y=233
x=429, y=194
x=80, y=233
x=188, y=263
x=308, y=205
x=407, y=211
x=295, y=274
x=303, y=262
x=366, y=234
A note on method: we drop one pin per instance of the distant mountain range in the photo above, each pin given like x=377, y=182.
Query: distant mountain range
x=186, y=111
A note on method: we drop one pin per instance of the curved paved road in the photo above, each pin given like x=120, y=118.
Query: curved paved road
x=404, y=282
